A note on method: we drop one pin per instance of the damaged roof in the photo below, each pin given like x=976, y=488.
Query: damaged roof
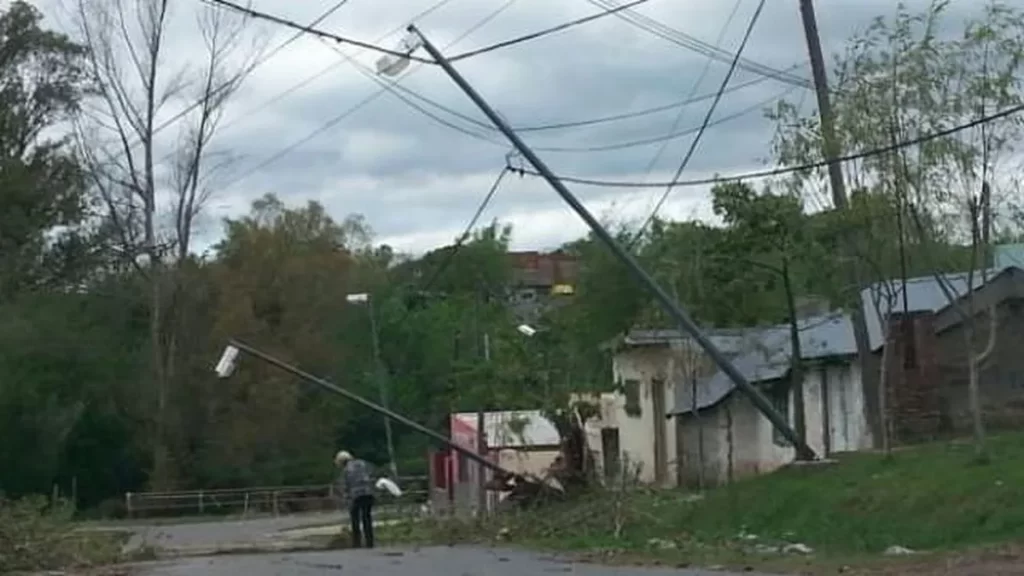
x=766, y=358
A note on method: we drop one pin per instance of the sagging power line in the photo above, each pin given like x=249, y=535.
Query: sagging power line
x=704, y=125
x=783, y=170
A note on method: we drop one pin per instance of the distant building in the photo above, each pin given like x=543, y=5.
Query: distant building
x=540, y=280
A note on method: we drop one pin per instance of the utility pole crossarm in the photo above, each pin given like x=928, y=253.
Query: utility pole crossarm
x=804, y=452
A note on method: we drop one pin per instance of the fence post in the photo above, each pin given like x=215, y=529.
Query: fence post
x=200, y=502
x=275, y=504
x=245, y=506
x=128, y=504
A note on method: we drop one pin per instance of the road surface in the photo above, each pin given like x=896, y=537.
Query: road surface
x=444, y=561
x=211, y=536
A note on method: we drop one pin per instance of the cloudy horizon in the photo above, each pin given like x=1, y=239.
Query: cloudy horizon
x=417, y=182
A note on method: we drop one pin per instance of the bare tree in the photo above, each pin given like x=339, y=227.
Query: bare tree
x=154, y=188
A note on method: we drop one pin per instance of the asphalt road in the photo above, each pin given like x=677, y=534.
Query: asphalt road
x=445, y=561
x=223, y=535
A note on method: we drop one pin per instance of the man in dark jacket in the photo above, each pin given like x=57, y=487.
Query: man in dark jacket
x=354, y=487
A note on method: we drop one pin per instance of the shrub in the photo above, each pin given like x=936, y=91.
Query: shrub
x=38, y=535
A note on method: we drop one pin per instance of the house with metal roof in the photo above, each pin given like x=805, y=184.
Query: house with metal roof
x=722, y=436
x=675, y=418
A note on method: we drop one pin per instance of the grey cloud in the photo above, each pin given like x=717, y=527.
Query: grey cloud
x=410, y=176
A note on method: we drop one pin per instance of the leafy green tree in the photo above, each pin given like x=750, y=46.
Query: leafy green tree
x=42, y=188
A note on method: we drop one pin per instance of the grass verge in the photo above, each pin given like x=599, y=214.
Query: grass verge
x=929, y=499
x=35, y=536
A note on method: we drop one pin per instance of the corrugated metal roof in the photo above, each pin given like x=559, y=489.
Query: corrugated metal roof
x=767, y=357
x=514, y=428
x=924, y=294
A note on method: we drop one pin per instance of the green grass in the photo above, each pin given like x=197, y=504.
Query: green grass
x=928, y=498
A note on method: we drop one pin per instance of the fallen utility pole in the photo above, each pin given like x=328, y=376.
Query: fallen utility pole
x=830, y=145
x=804, y=452
x=388, y=413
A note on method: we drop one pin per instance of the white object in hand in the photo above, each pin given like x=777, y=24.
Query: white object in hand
x=390, y=486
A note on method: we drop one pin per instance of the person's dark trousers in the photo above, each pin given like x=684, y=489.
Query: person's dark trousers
x=361, y=514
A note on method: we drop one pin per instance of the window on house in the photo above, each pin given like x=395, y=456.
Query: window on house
x=631, y=389
x=779, y=396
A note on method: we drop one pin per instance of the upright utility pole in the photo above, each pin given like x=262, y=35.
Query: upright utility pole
x=666, y=301
x=481, y=442
x=378, y=363
x=869, y=375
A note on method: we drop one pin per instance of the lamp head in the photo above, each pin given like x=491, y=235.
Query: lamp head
x=526, y=330
x=228, y=362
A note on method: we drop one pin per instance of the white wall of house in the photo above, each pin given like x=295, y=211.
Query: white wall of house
x=637, y=432
x=739, y=441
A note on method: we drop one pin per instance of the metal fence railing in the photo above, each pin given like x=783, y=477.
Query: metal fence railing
x=273, y=500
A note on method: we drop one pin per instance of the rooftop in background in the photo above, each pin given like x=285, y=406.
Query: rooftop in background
x=924, y=294
x=540, y=270
x=514, y=428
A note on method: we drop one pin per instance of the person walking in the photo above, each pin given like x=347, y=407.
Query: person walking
x=355, y=488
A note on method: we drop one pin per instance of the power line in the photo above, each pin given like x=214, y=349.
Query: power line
x=331, y=123
x=398, y=91
x=399, y=54
x=546, y=31
x=330, y=68
x=591, y=121
x=682, y=39
x=785, y=169
x=673, y=135
x=706, y=122
x=693, y=90
x=312, y=30
x=394, y=87
x=450, y=254
x=255, y=64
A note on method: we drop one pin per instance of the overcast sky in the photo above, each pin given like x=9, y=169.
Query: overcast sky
x=418, y=182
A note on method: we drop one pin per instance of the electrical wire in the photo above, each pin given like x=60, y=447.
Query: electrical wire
x=590, y=121
x=467, y=231
x=783, y=170
x=684, y=40
x=398, y=91
x=546, y=32
x=693, y=90
x=311, y=30
x=331, y=123
x=248, y=70
x=673, y=135
x=328, y=69
x=704, y=125
x=405, y=55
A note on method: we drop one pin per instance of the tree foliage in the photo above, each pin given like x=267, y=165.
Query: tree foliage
x=109, y=326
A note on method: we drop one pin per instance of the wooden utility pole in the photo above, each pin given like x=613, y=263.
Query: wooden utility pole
x=869, y=375
x=481, y=443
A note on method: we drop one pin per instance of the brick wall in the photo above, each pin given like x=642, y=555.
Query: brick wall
x=913, y=379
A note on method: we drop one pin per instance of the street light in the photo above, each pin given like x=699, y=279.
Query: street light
x=389, y=65
x=526, y=330
x=228, y=362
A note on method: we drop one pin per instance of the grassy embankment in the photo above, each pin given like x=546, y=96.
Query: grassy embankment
x=931, y=498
